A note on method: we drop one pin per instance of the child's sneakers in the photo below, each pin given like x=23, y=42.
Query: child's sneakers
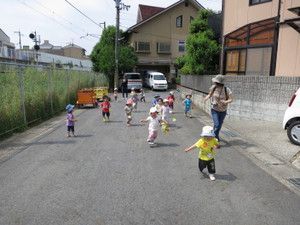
x=211, y=177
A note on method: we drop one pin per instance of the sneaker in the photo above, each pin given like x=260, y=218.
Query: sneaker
x=103, y=120
x=211, y=177
x=151, y=143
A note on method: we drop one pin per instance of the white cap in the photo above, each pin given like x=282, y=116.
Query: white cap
x=207, y=131
x=166, y=100
x=153, y=110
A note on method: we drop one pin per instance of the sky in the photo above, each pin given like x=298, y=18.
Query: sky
x=58, y=22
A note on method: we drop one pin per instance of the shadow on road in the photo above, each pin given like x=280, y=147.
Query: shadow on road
x=84, y=135
x=167, y=145
x=238, y=142
x=227, y=177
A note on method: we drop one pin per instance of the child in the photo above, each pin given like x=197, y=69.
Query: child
x=143, y=99
x=116, y=94
x=128, y=110
x=70, y=119
x=159, y=106
x=206, y=144
x=105, y=105
x=171, y=99
x=134, y=98
x=154, y=122
x=187, y=105
x=154, y=101
x=165, y=110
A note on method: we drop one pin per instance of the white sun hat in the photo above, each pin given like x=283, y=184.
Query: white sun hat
x=207, y=131
x=153, y=110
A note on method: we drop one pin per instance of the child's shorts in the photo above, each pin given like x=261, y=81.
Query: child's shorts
x=107, y=114
x=210, y=164
x=71, y=128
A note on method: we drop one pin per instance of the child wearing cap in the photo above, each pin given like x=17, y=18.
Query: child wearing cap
x=165, y=110
x=143, y=96
x=70, y=120
x=206, y=145
x=154, y=123
x=134, y=97
x=188, y=105
x=171, y=99
x=116, y=94
x=128, y=111
x=105, y=105
x=154, y=101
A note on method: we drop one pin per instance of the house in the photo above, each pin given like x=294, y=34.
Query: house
x=49, y=48
x=261, y=37
x=7, y=48
x=74, y=51
x=159, y=36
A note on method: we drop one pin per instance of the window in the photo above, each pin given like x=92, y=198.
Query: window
x=258, y=61
x=179, y=21
x=236, y=62
x=163, y=48
x=255, y=2
x=142, y=47
x=181, y=46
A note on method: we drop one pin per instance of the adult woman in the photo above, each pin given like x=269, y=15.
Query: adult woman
x=220, y=96
x=124, y=88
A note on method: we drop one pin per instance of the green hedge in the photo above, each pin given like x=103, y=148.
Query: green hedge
x=46, y=92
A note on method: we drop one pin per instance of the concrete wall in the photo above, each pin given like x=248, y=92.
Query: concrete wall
x=255, y=97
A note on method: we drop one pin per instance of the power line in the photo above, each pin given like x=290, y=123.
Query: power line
x=53, y=12
x=83, y=13
x=54, y=20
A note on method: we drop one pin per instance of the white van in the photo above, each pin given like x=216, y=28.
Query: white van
x=156, y=81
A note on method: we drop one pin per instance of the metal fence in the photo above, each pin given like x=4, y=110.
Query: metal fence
x=33, y=93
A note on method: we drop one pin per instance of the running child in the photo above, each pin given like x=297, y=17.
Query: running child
x=70, y=120
x=134, y=97
x=116, y=94
x=188, y=105
x=171, y=99
x=154, y=123
x=105, y=105
x=154, y=101
x=159, y=106
x=128, y=111
x=143, y=96
x=206, y=145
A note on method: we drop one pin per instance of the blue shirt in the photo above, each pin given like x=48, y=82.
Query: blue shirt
x=187, y=103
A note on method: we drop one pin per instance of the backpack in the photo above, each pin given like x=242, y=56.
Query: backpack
x=226, y=94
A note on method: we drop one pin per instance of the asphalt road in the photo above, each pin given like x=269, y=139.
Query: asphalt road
x=109, y=175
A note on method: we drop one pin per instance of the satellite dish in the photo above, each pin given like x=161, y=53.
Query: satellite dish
x=31, y=35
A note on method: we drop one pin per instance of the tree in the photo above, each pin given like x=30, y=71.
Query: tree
x=203, y=50
x=103, y=55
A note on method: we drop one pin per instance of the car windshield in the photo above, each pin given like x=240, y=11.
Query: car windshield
x=159, y=77
x=133, y=76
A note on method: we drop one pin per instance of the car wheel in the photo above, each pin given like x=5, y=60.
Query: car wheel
x=293, y=132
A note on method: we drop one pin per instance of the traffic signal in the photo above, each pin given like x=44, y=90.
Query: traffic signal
x=34, y=38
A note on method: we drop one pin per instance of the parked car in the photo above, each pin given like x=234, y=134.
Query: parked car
x=156, y=81
x=291, y=120
x=134, y=80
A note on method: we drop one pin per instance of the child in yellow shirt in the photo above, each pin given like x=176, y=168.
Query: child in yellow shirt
x=206, y=145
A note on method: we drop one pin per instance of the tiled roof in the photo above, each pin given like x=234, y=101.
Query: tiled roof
x=148, y=11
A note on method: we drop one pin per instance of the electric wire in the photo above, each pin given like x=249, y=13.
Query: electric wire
x=83, y=13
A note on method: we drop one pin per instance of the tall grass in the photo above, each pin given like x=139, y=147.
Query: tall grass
x=46, y=92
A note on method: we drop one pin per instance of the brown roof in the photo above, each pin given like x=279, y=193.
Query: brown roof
x=148, y=11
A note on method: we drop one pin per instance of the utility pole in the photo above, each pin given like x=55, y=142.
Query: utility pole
x=20, y=41
x=119, y=6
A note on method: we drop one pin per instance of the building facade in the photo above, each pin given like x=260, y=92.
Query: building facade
x=7, y=49
x=74, y=51
x=160, y=34
x=261, y=37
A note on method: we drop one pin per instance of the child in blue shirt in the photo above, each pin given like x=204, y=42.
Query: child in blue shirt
x=188, y=105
